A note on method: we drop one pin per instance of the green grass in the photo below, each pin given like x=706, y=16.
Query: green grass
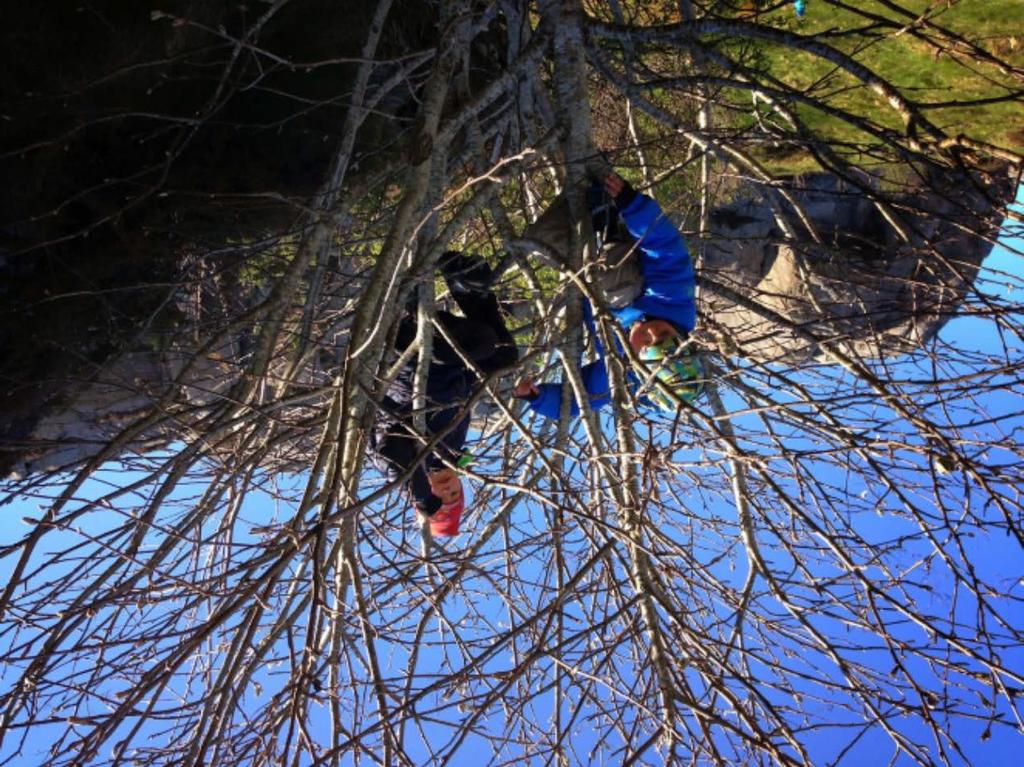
x=909, y=64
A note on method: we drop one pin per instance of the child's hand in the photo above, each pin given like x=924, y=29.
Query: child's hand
x=526, y=389
x=613, y=184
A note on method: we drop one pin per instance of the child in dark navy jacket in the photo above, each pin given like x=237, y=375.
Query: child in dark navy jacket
x=481, y=336
x=658, y=321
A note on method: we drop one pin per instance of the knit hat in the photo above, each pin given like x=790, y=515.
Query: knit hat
x=445, y=521
x=674, y=363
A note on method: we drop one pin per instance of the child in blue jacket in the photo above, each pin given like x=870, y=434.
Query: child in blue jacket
x=657, y=322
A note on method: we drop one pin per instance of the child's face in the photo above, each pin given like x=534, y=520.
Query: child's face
x=446, y=485
x=650, y=333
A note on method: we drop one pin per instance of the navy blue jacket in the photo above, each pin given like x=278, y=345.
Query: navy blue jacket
x=482, y=336
x=448, y=388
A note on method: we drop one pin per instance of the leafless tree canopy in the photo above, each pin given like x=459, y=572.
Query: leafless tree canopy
x=816, y=563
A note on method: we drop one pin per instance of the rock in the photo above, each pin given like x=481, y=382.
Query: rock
x=862, y=285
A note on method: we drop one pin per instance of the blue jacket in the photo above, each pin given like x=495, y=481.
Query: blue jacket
x=669, y=294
